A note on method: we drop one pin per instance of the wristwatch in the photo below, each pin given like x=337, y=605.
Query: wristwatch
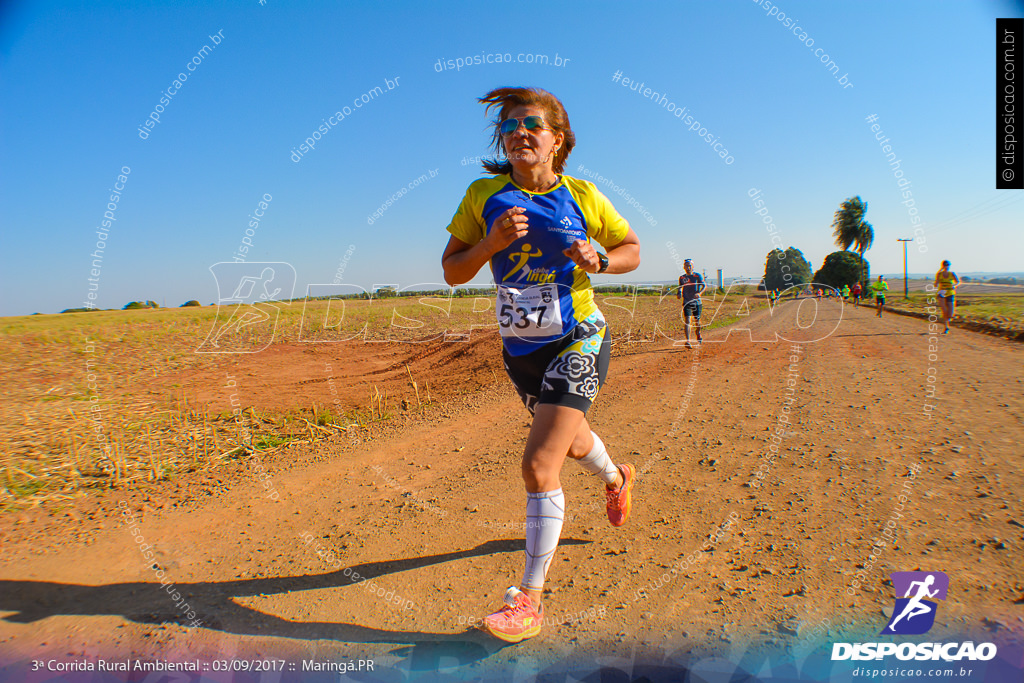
x=604, y=262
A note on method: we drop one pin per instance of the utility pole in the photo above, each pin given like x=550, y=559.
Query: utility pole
x=906, y=292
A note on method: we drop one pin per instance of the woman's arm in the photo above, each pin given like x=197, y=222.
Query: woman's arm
x=622, y=257
x=461, y=261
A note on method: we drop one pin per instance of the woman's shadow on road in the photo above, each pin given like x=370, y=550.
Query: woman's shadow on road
x=215, y=607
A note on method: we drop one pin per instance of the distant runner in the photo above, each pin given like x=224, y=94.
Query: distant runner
x=946, y=282
x=691, y=284
x=533, y=226
x=856, y=292
x=846, y=292
x=878, y=290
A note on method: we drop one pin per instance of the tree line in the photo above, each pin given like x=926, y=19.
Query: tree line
x=789, y=268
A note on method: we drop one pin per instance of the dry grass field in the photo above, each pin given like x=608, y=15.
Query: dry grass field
x=105, y=399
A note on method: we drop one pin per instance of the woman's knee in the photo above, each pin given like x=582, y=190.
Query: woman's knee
x=539, y=476
x=582, y=443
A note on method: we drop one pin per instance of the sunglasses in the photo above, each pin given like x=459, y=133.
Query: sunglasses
x=509, y=126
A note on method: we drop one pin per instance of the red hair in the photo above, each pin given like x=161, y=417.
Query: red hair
x=507, y=99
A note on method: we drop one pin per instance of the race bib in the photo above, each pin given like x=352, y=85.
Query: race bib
x=941, y=292
x=529, y=313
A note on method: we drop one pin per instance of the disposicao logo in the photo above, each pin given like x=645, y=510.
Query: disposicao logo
x=914, y=614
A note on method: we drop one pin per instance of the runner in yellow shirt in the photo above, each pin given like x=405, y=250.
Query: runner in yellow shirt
x=535, y=228
x=946, y=282
x=878, y=289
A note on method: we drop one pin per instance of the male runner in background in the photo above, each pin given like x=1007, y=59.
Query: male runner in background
x=878, y=289
x=691, y=284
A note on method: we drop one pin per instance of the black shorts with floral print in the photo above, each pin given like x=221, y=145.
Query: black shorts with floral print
x=567, y=372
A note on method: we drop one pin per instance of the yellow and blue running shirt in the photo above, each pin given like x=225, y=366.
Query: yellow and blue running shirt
x=573, y=209
x=947, y=282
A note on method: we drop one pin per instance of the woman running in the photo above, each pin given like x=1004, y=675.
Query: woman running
x=946, y=282
x=533, y=225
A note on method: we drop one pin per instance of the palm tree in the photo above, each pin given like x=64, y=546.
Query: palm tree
x=850, y=228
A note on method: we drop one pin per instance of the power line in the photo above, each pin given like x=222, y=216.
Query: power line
x=994, y=198
x=976, y=212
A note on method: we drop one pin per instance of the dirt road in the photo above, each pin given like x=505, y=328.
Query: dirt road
x=732, y=549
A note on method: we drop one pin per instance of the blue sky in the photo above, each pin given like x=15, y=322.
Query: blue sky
x=81, y=78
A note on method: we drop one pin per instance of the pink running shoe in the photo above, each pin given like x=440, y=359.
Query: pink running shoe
x=517, y=620
x=620, y=499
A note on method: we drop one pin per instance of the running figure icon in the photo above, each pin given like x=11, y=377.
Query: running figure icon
x=247, y=286
x=250, y=297
x=918, y=595
x=915, y=607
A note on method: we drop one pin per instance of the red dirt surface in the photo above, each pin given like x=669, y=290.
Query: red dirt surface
x=346, y=374
x=431, y=510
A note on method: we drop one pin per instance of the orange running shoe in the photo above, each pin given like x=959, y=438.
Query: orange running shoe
x=517, y=620
x=620, y=500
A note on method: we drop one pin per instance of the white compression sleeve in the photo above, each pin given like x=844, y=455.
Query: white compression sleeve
x=544, y=515
x=598, y=462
